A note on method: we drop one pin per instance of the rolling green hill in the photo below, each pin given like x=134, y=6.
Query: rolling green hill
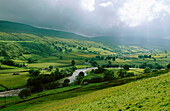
x=17, y=39
x=13, y=27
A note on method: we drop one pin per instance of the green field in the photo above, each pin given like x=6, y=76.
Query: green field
x=139, y=95
x=14, y=81
x=146, y=94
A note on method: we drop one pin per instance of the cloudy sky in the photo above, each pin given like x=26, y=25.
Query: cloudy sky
x=149, y=18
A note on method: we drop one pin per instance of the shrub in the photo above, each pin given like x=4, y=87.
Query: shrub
x=96, y=80
x=50, y=67
x=168, y=66
x=66, y=82
x=121, y=73
x=126, y=67
x=34, y=72
x=147, y=70
x=109, y=75
x=72, y=62
x=79, y=78
x=99, y=70
x=25, y=93
x=129, y=74
x=30, y=60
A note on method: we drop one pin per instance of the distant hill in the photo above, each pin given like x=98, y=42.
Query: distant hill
x=144, y=42
x=12, y=27
x=109, y=41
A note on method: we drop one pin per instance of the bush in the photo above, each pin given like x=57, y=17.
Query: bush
x=129, y=74
x=99, y=70
x=79, y=78
x=168, y=66
x=73, y=63
x=96, y=80
x=126, y=67
x=11, y=63
x=109, y=75
x=147, y=70
x=34, y=72
x=81, y=74
x=94, y=63
x=25, y=93
x=121, y=73
x=66, y=82
x=92, y=80
x=50, y=67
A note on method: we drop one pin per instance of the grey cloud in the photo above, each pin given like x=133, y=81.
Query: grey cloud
x=68, y=15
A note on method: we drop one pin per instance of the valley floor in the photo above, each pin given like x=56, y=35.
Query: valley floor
x=147, y=94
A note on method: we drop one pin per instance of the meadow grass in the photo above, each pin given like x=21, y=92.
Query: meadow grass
x=149, y=94
x=15, y=99
x=14, y=81
x=2, y=88
x=45, y=65
x=146, y=94
x=6, y=71
x=139, y=95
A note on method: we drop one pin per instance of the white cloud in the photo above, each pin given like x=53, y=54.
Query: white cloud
x=105, y=4
x=135, y=12
x=88, y=5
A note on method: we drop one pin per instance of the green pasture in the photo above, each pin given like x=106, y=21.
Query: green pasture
x=45, y=65
x=137, y=95
x=14, y=81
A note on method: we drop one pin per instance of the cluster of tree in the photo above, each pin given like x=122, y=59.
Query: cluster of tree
x=31, y=60
x=79, y=78
x=145, y=56
x=127, y=58
x=155, y=66
x=96, y=79
x=25, y=93
x=71, y=45
x=108, y=76
x=98, y=70
x=105, y=58
x=66, y=83
x=111, y=65
x=93, y=63
x=126, y=67
x=79, y=48
x=11, y=63
x=58, y=48
x=84, y=48
x=68, y=50
x=147, y=70
x=33, y=72
x=38, y=80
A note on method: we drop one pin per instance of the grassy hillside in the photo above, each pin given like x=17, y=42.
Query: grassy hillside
x=146, y=94
x=16, y=44
x=13, y=27
x=149, y=94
